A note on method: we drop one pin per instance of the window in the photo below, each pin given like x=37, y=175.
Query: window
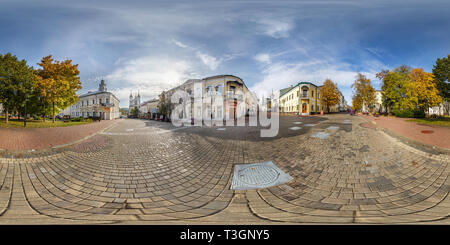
x=312, y=94
x=305, y=93
x=312, y=107
x=99, y=101
x=107, y=100
x=219, y=89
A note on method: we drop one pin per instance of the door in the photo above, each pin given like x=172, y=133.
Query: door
x=304, y=108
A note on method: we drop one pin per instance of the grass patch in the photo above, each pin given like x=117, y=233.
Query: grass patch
x=445, y=121
x=15, y=123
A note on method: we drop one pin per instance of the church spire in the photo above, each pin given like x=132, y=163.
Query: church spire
x=131, y=94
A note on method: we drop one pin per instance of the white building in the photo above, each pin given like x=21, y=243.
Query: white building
x=100, y=103
x=134, y=102
x=230, y=89
x=441, y=110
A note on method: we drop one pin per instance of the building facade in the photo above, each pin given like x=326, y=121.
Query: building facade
x=304, y=99
x=149, y=109
x=134, y=102
x=100, y=103
x=218, y=97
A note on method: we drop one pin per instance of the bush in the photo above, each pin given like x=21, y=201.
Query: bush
x=409, y=113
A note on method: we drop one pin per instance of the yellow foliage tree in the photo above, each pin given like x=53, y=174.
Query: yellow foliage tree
x=425, y=92
x=58, y=83
x=329, y=94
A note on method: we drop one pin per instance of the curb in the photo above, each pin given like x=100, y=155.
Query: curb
x=428, y=148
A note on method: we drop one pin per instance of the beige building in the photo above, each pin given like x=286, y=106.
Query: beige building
x=149, y=109
x=231, y=90
x=304, y=99
x=100, y=103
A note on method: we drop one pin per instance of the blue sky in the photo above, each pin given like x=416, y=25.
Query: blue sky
x=152, y=46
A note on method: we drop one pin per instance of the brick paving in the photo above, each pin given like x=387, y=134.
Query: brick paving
x=147, y=172
x=40, y=138
x=436, y=136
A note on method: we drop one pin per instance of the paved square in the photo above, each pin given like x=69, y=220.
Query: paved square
x=160, y=174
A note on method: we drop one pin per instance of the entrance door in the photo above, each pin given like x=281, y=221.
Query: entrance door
x=304, y=108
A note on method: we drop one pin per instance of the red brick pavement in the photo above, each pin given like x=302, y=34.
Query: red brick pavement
x=439, y=137
x=41, y=138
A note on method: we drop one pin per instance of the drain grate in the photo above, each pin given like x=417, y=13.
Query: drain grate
x=257, y=176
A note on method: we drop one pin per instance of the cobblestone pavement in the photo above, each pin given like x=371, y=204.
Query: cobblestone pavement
x=41, y=138
x=147, y=172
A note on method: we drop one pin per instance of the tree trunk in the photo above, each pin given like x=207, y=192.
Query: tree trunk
x=43, y=115
x=53, y=105
x=6, y=114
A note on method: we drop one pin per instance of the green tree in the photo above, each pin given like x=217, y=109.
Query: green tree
x=398, y=90
x=441, y=72
x=364, y=93
x=134, y=111
x=58, y=83
x=329, y=94
x=16, y=83
x=164, y=105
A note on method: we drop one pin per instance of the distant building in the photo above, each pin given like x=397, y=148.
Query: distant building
x=304, y=99
x=149, y=109
x=440, y=110
x=100, y=103
x=134, y=102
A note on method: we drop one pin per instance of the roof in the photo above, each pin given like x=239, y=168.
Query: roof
x=97, y=92
x=220, y=76
x=286, y=90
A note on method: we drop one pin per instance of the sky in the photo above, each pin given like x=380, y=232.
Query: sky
x=151, y=46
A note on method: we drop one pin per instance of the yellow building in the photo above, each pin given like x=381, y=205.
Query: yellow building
x=303, y=99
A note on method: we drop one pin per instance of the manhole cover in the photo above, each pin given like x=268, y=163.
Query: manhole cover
x=258, y=175
x=427, y=131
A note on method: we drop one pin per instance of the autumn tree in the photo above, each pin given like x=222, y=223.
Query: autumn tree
x=58, y=83
x=364, y=94
x=16, y=83
x=398, y=91
x=329, y=94
x=424, y=89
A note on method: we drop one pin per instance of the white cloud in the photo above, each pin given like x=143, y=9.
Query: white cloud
x=208, y=60
x=263, y=58
x=149, y=75
x=179, y=44
x=276, y=28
